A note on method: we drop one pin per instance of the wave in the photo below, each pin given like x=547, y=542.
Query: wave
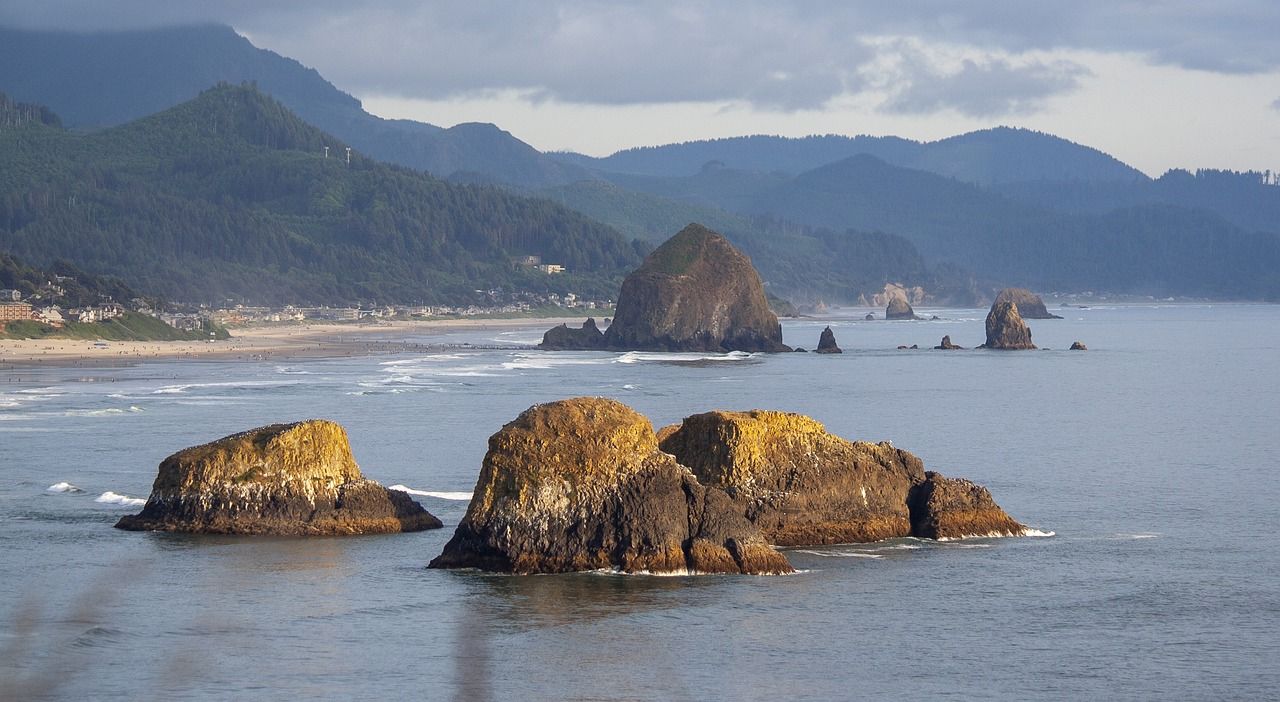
x=179, y=389
x=434, y=358
x=289, y=370
x=663, y=357
x=1144, y=535
x=63, y=487
x=459, y=496
x=111, y=498
x=840, y=554
x=94, y=413
x=997, y=535
x=547, y=361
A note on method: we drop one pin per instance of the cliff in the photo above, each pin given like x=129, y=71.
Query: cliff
x=580, y=485
x=1030, y=306
x=695, y=292
x=1005, y=328
x=295, y=479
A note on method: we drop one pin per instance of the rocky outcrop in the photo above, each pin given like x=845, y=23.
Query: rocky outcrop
x=1030, y=306
x=1005, y=328
x=946, y=344
x=804, y=486
x=1078, y=346
x=561, y=338
x=949, y=508
x=899, y=308
x=827, y=342
x=293, y=479
x=580, y=485
x=798, y=483
x=695, y=292
x=869, y=317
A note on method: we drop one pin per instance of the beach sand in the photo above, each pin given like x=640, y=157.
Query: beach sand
x=255, y=342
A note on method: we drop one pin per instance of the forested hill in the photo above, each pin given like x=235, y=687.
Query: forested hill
x=230, y=195
x=109, y=78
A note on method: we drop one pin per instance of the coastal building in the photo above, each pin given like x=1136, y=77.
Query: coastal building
x=10, y=295
x=550, y=268
x=14, y=311
x=51, y=316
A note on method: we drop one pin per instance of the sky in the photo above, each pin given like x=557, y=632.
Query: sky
x=1188, y=84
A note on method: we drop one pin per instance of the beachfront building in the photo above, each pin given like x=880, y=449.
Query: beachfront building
x=14, y=311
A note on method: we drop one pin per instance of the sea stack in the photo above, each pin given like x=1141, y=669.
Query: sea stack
x=1005, y=328
x=560, y=338
x=288, y=479
x=946, y=344
x=827, y=342
x=580, y=484
x=695, y=292
x=1030, y=306
x=950, y=508
x=1078, y=346
x=899, y=308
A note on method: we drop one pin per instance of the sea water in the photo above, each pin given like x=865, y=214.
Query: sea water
x=1148, y=464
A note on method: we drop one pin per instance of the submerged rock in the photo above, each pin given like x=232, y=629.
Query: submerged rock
x=695, y=292
x=560, y=338
x=580, y=485
x=949, y=508
x=1078, y=346
x=1030, y=306
x=899, y=308
x=827, y=342
x=296, y=479
x=1005, y=328
x=947, y=345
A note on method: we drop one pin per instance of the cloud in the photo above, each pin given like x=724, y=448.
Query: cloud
x=1275, y=104
x=773, y=55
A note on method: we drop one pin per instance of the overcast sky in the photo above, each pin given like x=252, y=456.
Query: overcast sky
x=1157, y=84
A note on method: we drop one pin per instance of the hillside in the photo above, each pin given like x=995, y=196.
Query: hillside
x=230, y=196
x=107, y=79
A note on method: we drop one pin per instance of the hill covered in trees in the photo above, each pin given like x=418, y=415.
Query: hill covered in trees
x=231, y=196
x=108, y=78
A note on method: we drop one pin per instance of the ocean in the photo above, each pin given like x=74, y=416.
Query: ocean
x=1149, y=464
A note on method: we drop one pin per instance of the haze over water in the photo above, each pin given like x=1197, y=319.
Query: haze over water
x=1150, y=458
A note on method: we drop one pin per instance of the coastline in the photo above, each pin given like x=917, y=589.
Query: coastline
x=268, y=341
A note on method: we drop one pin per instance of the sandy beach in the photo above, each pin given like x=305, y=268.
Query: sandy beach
x=254, y=343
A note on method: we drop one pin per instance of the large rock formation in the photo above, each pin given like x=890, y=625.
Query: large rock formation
x=899, y=308
x=827, y=342
x=281, y=479
x=580, y=485
x=803, y=486
x=562, y=338
x=1005, y=328
x=949, y=508
x=1030, y=306
x=695, y=292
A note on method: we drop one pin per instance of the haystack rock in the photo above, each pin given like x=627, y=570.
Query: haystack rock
x=949, y=508
x=804, y=486
x=946, y=344
x=560, y=338
x=1030, y=306
x=695, y=292
x=1005, y=328
x=899, y=308
x=580, y=485
x=292, y=479
x=1078, y=346
x=827, y=342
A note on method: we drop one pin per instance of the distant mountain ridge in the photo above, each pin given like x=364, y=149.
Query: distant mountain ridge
x=106, y=79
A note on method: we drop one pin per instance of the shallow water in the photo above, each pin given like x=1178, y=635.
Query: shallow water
x=1150, y=457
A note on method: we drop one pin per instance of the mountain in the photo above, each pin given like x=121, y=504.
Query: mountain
x=106, y=79
x=990, y=156
x=1157, y=249
x=230, y=195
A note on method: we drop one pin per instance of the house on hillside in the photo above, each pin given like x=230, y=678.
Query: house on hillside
x=10, y=295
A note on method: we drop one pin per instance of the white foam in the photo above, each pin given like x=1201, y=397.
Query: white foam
x=63, y=487
x=93, y=413
x=1144, y=535
x=998, y=535
x=111, y=498
x=659, y=357
x=840, y=554
x=459, y=496
x=179, y=389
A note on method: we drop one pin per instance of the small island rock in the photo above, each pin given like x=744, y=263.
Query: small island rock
x=947, y=345
x=869, y=317
x=950, y=508
x=827, y=342
x=1005, y=328
x=899, y=308
x=290, y=479
x=1030, y=306
x=560, y=338
x=580, y=484
x=1078, y=346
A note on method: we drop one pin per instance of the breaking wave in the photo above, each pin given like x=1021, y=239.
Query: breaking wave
x=111, y=498
x=459, y=496
x=63, y=487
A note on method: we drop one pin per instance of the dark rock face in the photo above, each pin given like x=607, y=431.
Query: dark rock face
x=947, y=345
x=293, y=479
x=696, y=292
x=1078, y=346
x=1005, y=328
x=561, y=338
x=827, y=342
x=580, y=485
x=949, y=508
x=1030, y=306
x=899, y=308
x=869, y=317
